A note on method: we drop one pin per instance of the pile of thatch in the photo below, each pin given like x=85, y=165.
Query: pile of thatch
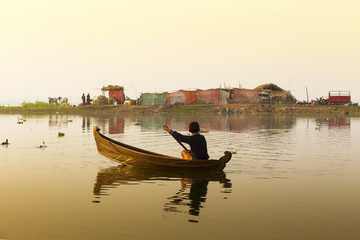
x=112, y=88
x=277, y=93
x=269, y=86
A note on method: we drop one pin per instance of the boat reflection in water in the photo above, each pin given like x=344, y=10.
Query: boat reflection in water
x=192, y=192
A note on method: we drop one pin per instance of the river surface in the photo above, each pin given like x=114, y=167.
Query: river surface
x=290, y=177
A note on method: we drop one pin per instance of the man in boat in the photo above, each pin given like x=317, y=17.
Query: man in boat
x=197, y=142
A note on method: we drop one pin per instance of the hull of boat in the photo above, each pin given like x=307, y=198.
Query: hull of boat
x=130, y=155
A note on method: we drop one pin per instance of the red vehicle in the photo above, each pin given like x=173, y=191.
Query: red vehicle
x=339, y=97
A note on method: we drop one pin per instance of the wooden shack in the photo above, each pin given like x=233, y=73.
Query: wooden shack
x=116, y=93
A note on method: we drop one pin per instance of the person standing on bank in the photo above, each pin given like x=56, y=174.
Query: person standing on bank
x=83, y=98
x=88, y=100
x=196, y=141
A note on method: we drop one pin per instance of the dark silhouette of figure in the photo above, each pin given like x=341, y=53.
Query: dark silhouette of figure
x=5, y=143
x=88, y=99
x=197, y=195
x=86, y=123
x=83, y=98
x=196, y=198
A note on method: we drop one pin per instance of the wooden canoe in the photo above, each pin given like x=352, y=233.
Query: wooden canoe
x=129, y=155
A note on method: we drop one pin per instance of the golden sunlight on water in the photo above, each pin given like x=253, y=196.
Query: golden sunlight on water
x=290, y=178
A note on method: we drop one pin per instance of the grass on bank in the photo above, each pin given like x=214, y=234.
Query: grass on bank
x=37, y=104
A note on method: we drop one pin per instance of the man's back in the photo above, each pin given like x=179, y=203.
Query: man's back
x=197, y=144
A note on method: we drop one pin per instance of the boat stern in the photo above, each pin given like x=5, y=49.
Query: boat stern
x=224, y=159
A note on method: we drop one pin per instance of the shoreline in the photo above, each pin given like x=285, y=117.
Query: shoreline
x=351, y=110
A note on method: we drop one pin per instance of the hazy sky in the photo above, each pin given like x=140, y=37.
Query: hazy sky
x=69, y=47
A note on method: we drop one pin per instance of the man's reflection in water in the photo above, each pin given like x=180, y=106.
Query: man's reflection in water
x=192, y=194
x=195, y=198
x=197, y=195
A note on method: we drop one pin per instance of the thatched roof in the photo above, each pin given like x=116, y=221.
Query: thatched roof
x=277, y=93
x=269, y=86
x=113, y=88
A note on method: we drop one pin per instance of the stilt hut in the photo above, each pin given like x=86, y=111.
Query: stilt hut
x=116, y=93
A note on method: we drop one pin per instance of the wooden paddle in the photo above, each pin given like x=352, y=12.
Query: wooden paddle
x=184, y=154
x=168, y=130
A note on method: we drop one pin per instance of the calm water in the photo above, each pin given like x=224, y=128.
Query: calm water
x=290, y=178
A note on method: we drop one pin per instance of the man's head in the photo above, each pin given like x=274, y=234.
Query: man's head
x=194, y=127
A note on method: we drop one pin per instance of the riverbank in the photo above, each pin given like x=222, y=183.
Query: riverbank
x=194, y=109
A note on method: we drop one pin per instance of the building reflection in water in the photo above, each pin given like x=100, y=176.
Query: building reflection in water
x=236, y=123
x=116, y=125
x=193, y=185
x=240, y=122
x=335, y=122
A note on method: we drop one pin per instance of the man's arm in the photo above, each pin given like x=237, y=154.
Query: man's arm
x=176, y=135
